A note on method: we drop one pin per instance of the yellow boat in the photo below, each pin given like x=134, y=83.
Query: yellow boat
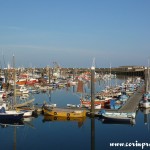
x=64, y=112
x=79, y=121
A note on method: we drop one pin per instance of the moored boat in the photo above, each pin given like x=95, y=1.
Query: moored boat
x=63, y=112
x=145, y=102
x=21, y=82
x=117, y=116
x=102, y=102
x=10, y=114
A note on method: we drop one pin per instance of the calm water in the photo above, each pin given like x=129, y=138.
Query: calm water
x=91, y=134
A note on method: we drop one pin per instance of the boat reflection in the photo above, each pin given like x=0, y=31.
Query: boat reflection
x=131, y=122
x=146, y=112
x=7, y=123
x=57, y=118
x=29, y=121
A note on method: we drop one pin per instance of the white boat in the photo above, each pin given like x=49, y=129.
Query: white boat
x=73, y=106
x=27, y=113
x=24, y=90
x=117, y=116
x=145, y=103
x=49, y=105
x=96, y=106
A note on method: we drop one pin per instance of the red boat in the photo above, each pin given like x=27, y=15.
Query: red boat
x=102, y=102
x=31, y=81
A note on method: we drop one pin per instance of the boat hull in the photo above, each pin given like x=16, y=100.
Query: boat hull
x=119, y=117
x=5, y=116
x=145, y=103
x=64, y=112
x=87, y=103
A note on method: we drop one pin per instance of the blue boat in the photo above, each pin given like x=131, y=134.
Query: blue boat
x=10, y=114
x=123, y=97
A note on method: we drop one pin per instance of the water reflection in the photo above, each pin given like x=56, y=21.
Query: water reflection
x=15, y=124
x=127, y=122
x=28, y=121
x=92, y=133
x=146, y=112
x=7, y=123
x=80, y=121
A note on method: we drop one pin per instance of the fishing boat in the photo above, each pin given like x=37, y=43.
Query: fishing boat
x=114, y=104
x=21, y=82
x=63, y=112
x=31, y=81
x=98, y=101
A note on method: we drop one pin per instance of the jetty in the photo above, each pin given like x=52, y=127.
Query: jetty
x=132, y=103
x=130, y=106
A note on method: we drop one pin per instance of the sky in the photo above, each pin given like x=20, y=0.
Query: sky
x=74, y=32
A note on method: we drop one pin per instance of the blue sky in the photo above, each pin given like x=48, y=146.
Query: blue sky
x=73, y=32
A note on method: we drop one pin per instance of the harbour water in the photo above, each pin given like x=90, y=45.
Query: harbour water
x=41, y=133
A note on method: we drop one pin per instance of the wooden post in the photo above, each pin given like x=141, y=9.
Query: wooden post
x=92, y=90
x=14, y=102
